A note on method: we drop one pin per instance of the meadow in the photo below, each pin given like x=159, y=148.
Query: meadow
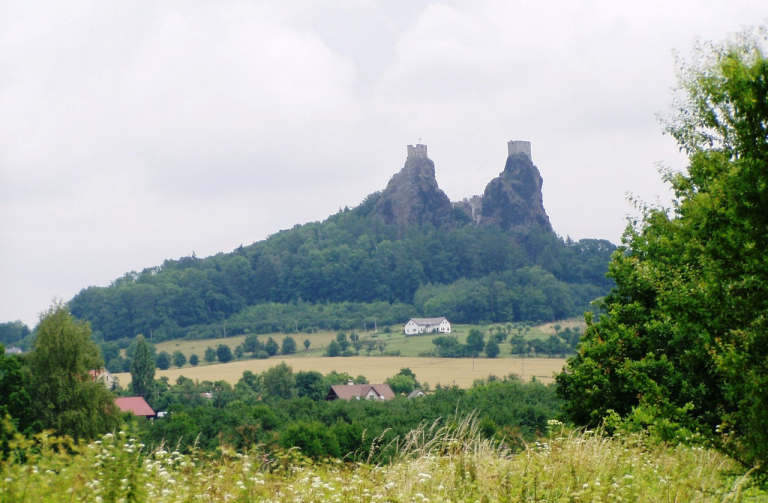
x=395, y=340
x=444, y=371
x=460, y=372
x=452, y=463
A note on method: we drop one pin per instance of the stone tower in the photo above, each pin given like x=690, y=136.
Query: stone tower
x=518, y=147
x=419, y=151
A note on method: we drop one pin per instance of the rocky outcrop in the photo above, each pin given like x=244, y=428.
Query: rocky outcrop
x=513, y=200
x=412, y=196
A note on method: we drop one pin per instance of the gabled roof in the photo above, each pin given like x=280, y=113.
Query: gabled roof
x=350, y=391
x=135, y=404
x=428, y=321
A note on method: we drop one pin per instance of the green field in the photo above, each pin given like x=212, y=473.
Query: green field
x=396, y=340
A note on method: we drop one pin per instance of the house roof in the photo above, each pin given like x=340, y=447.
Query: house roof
x=135, y=404
x=428, y=321
x=350, y=391
x=416, y=393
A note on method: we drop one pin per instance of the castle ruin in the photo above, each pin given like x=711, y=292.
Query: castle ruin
x=418, y=152
x=519, y=147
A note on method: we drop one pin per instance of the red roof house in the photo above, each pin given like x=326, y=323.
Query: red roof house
x=135, y=404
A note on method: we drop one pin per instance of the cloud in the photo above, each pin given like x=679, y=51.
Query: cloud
x=131, y=133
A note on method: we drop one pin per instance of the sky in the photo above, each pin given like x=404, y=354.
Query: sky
x=134, y=132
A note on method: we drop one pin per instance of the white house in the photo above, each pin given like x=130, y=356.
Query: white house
x=427, y=325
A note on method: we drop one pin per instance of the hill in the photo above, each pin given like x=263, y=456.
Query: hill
x=403, y=252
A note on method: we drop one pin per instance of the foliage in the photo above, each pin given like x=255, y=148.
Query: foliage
x=288, y=347
x=349, y=271
x=15, y=401
x=142, y=368
x=210, y=354
x=271, y=347
x=435, y=463
x=179, y=359
x=492, y=349
x=224, y=353
x=163, y=360
x=12, y=333
x=683, y=342
x=194, y=359
x=475, y=341
x=65, y=397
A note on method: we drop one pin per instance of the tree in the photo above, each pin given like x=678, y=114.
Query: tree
x=239, y=351
x=64, y=396
x=289, y=346
x=306, y=344
x=475, y=342
x=271, y=347
x=684, y=339
x=142, y=368
x=210, y=354
x=401, y=384
x=278, y=381
x=224, y=353
x=492, y=348
x=251, y=344
x=163, y=360
x=310, y=384
x=333, y=349
x=179, y=359
x=194, y=359
x=14, y=395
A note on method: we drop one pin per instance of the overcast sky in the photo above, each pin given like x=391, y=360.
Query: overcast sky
x=132, y=132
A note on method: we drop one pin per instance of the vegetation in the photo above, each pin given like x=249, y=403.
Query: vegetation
x=682, y=346
x=353, y=270
x=433, y=463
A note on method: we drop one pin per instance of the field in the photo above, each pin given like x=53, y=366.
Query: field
x=447, y=464
x=445, y=371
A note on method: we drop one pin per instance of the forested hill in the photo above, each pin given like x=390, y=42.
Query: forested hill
x=369, y=263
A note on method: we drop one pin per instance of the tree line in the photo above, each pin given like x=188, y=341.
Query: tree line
x=349, y=270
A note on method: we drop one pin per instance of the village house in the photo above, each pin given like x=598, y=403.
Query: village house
x=417, y=326
x=360, y=392
x=105, y=376
x=135, y=404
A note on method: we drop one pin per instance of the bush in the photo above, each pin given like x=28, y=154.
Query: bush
x=313, y=439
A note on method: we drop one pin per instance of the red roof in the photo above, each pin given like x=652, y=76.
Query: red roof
x=135, y=404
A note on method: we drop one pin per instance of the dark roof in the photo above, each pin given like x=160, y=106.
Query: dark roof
x=135, y=404
x=428, y=321
x=350, y=391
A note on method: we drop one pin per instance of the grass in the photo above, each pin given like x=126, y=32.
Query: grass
x=459, y=371
x=396, y=341
x=432, y=464
x=446, y=371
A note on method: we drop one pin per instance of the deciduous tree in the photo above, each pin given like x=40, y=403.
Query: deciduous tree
x=64, y=395
x=683, y=342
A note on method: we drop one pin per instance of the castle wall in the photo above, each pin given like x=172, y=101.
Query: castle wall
x=417, y=152
x=519, y=147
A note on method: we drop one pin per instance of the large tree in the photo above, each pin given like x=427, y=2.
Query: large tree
x=142, y=368
x=683, y=344
x=64, y=395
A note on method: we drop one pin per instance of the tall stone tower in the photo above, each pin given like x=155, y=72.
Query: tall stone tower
x=418, y=152
x=519, y=147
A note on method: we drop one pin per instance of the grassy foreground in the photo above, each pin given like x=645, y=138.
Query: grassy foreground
x=446, y=464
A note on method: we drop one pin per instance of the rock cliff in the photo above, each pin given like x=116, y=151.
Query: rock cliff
x=513, y=200
x=412, y=196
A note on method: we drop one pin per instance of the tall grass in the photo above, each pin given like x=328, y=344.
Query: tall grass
x=431, y=464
